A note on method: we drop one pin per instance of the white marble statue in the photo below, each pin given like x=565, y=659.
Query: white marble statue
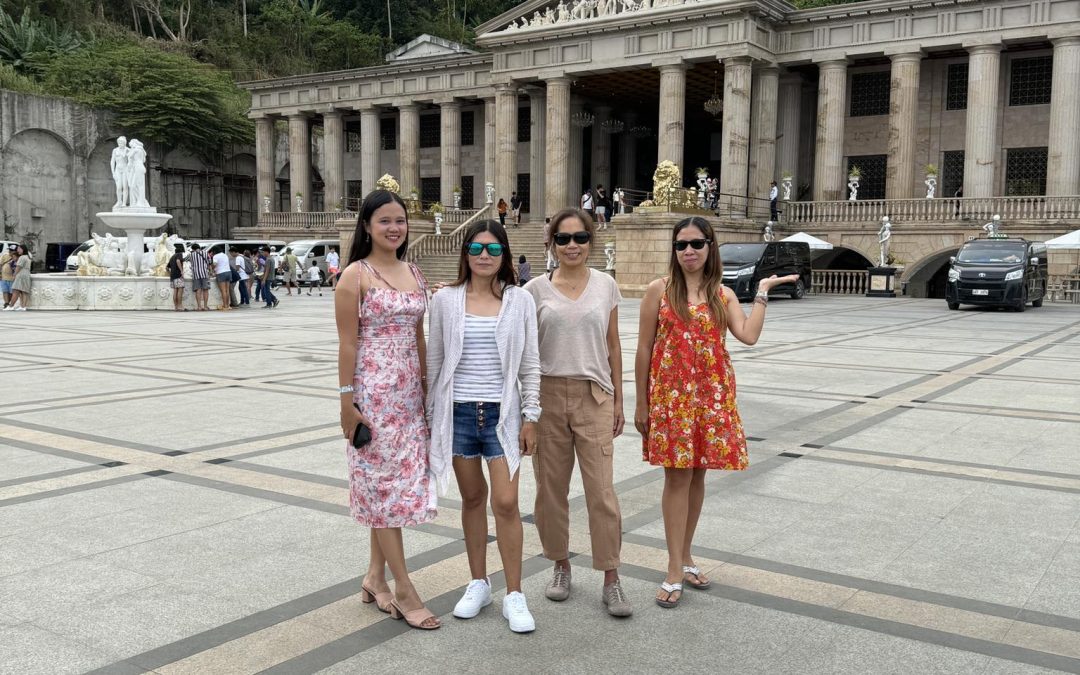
x=266, y=203
x=931, y=186
x=457, y=200
x=884, y=236
x=563, y=14
x=550, y=16
x=853, y=188
x=113, y=259
x=489, y=192
x=785, y=184
x=118, y=166
x=767, y=232
x=993, y=228
x=609, y=252
x=438, y=222
x=538, y=19
x=136, y=174
x=299, y=203
x=703, y=188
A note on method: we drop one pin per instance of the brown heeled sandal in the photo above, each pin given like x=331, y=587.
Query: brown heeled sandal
x=415, y=617
x=381, y=600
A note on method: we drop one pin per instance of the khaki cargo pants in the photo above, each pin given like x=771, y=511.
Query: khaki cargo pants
x=577, y=419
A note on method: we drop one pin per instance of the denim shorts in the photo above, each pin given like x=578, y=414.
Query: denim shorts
x=5, y=286
x=474, y=430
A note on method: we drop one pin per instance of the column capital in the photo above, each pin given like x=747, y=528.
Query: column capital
x=506, y=88
x=406, y=106
x=333, y=112
x=449, y=104
x=832, y=64
x=670, y=64
x=900, y=55
x=767, y=67
x=1066, y=41
x=297, y=116
x=559, y=81
x=735, y=60
x=983, y=48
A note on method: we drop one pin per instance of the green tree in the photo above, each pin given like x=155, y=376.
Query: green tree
x=28, y=44
x=164, y=98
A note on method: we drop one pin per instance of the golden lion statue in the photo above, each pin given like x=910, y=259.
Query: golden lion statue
x=666, y=180
x=387, y=182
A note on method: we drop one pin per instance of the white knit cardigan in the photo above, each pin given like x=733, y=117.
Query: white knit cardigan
x=515, y=334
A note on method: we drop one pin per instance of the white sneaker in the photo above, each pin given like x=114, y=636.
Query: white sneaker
x=477, y=596
x=516, y=611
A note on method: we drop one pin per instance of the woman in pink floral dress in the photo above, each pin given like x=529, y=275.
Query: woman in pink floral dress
x=379, y=306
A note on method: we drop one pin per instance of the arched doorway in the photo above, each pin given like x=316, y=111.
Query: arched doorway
x=840, y=258
x=284, y=201
x=928, y=277
x=39, y=189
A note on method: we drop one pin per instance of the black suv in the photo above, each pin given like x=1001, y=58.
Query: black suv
x=1002, y=272
x=745, y=264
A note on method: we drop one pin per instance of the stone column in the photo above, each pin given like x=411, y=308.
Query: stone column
x=537, y=146
x=370, y=145
x=763, y=150
x=736, y=147
x=557, y=183
x=627, y=153
x=1063, y=161
x=264, y=162
x=409, y=148
x=672, y=124
x=489, y=149
x=903, y=115
x=450, y=141
x=601, y=150
x=506, y=140
x=981, y=139
x=334, y=157
x=299, y=161
x=574, y=175
x=787, y=151
x=829, y=169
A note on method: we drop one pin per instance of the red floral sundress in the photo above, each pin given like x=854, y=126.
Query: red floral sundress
x=693, y=420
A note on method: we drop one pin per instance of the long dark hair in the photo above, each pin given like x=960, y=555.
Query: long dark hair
x=361, y=242
x=505, y=277
x=712, y=279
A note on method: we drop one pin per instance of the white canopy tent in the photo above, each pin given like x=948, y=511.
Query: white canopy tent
x=815, y=243
x=1070, y=240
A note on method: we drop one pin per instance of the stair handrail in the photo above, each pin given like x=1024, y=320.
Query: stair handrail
x=430, y=244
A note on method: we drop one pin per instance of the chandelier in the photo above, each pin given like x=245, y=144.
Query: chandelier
x=640, y=131
x=715, y=105
x=582, y=119
x=612, y=126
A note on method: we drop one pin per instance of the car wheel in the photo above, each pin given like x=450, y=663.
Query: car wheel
x=800, y=290
x=1039, y=302
x=954, y=305
x=1023, y=302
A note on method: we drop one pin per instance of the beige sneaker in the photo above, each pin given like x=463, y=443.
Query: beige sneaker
x=559, y=588
x=616, y=600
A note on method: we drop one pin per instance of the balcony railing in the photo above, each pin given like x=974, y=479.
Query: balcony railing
x=436, y=244
x=933, y=210
x=308, y=220
x=843, y=282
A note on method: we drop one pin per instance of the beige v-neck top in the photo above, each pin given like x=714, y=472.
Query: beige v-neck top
x=573, y=333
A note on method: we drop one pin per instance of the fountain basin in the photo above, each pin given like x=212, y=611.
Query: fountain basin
x=65, y=291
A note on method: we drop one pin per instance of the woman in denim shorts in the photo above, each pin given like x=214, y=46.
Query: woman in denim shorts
x=484, y=402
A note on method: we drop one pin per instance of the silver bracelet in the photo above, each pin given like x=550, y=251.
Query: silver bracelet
x=347, y=389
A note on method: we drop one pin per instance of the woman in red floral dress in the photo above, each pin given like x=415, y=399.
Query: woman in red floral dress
x=686, y=410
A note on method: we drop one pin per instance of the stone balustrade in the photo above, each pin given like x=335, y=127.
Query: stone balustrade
x=841, y=282
x=308, y=220
x=437, y=244
x=933, y=210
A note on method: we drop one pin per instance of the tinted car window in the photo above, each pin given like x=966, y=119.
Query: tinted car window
x=319, y=250
x=992, y=252
x=741, y=254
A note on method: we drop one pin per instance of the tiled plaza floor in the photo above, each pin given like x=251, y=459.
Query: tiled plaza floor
x=173, y=499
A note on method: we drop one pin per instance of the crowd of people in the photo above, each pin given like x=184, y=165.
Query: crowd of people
x=535, y=370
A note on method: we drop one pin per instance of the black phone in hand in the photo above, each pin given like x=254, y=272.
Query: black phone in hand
x=361, y=435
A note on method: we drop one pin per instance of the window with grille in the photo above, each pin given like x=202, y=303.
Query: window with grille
x=430, y=190
x=468, y=127
x=956, y=87
x=466, y=192
x=524, y=125
x=952, y=173
x=352, y=141
x=429, y=131
x=1025, y=171
x=523, y=180
x=1029, y=81
x=872, y=180
x=870, y=94
x=388, y=133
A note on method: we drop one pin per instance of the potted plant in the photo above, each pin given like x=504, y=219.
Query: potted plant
x=855, y=172
x=931, y=180
x=456, y=190
x=702, y=172
x=931, y=170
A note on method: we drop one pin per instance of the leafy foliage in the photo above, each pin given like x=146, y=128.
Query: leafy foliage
x=29, y=44
x=12, y=80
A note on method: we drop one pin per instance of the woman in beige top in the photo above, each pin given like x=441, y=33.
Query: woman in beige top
x=581, y=395
x=20, y=287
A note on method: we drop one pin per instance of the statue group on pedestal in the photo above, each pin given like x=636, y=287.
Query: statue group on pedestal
x=579, y=10
x=884, y=235
x=128, y=167
x=109, y=258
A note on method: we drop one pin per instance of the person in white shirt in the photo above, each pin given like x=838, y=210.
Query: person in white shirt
x=773, y=194
x=587, y=203
x=223, y=271
x=333, y=266
x=245, y=296
x=313, y=278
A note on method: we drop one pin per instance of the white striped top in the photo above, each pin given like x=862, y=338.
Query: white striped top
x=479, y=376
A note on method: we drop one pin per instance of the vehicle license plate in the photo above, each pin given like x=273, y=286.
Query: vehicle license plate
x=980, y=291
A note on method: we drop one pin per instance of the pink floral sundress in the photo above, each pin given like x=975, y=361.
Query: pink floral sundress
x=389, y=481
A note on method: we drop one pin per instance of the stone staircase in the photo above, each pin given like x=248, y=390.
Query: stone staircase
x=527, y=240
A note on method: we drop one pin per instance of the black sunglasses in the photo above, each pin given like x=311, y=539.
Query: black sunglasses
x=696, y=244
x=563, y=238
x=476, y=248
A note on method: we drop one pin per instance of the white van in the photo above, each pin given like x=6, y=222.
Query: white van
x=307, y=250
x=212, y=246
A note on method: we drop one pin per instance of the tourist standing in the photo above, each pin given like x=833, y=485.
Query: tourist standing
x=249, y=270
x=176, y=277
x=379, y=312
x=7, y=272
x=241, y=270
x=774, y=194
x=602, y=207
x=524, y=271
x=581, y=394
x=268, y=270
x=200, y=277
x=224, y=277
x=686, y=411
x=588, y=203
x=289, y=267
x=501, y=208
x=20, y=284
x=333, y=266
x=484, y=401
x=515, y=205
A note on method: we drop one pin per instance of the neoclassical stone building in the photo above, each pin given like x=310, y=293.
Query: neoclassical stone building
x=562, y=95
